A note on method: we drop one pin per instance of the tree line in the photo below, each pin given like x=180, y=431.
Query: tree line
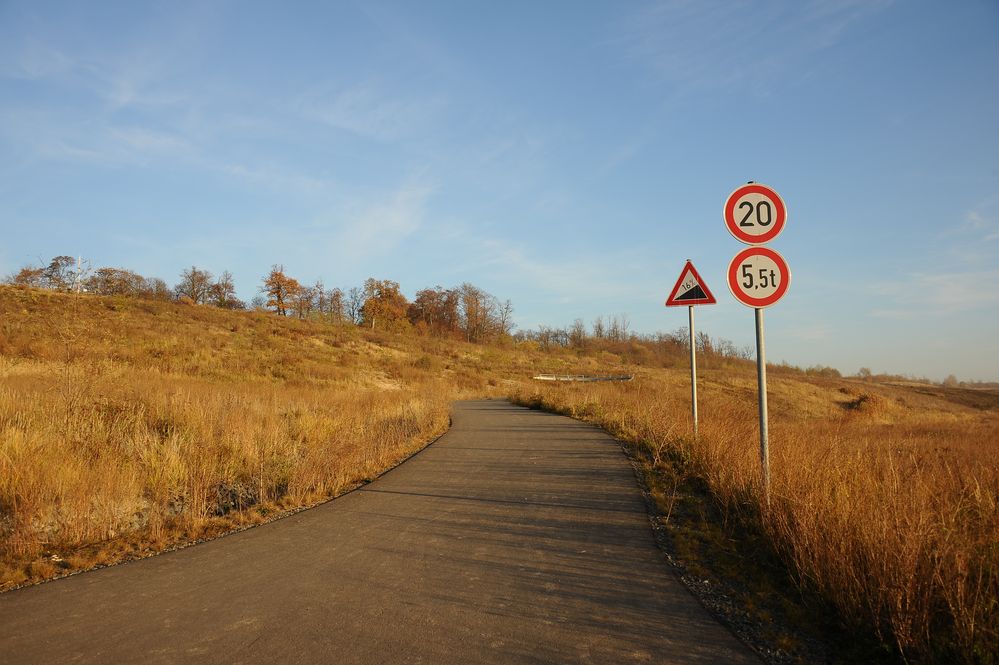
x=613, y=334
x=65, y=273
x=466, y=311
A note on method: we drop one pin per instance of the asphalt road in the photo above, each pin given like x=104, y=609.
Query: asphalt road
x=518, y=537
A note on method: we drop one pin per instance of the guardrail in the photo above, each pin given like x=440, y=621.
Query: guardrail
x=581, y=377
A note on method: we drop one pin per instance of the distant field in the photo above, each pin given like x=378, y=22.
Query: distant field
x=129, y=426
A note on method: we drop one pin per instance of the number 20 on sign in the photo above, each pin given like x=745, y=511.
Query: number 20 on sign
x=755, y=214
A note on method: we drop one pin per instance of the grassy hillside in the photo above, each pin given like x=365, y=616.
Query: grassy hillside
x=128, y=426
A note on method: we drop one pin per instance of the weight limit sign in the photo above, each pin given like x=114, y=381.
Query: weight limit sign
x=758, y=277
x=755, y=214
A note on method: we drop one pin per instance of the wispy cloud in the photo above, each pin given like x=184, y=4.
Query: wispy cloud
x=583, y=281
x=34, y=61
x=970, y=241
x=982, y=224
x=378, y=229
x=415, y=35
x=146, y=141
x=139, y=89
x=713, y=44
x=368, y=112
x=92, y=141
x=272, y=176
x=695, y=47
x=136, y=80
x=919, y=294
x=815, y=332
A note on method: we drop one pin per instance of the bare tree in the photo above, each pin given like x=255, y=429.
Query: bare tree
x=355, y=304
x=436, y=311
x=726, y=347
x=614, y=329
x=577, y=334
x=320, y=299
x=195, y=284
x=63, y=273
x=598, y=328
x=156, y=289
x=505, y=317
x=223, y=292
x=27, y=276
x=465, y=311
x=336, y=305
x=703, y=343
x=302, y=301
x=115, y=282
x=478, y=313
x=60, y=274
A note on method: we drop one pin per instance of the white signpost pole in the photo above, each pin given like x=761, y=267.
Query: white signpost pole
x=693, y=371
x=761, y=378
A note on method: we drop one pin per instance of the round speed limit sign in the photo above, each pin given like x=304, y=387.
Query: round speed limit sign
x=758, y=277
x=755, y=214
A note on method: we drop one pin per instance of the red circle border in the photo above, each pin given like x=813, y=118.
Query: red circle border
x=729, y=214
x=772, y=298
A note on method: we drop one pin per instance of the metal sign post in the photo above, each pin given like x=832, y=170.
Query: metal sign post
x=691, y=290
x=758, y=277
x=693, y=372
x=761, y=378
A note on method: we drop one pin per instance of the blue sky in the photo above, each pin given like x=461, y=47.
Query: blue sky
x=566, y=155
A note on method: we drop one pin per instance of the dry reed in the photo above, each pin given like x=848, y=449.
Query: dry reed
x=885, y=507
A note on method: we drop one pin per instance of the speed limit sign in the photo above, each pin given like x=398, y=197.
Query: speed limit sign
x=755, y=214
x=758, y=277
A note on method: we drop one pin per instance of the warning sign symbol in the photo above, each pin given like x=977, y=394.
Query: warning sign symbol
x=690, y=289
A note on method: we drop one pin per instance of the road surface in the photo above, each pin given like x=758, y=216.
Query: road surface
x=518, y=537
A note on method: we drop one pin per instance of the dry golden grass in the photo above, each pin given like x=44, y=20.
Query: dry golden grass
x=128, y=426
x=884, y=501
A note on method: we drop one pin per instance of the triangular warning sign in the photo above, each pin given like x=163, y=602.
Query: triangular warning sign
x=690, y=289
